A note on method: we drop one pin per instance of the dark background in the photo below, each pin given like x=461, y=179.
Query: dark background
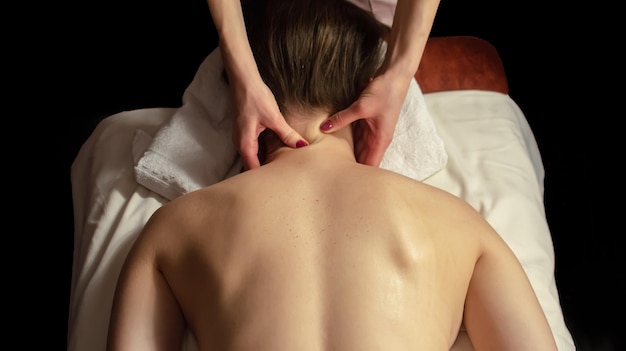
x=107, y=57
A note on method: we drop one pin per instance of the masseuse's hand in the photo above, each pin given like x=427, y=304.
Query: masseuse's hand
x=254, y=104
x=378, y=108
x=256, y=110
x=376, y=111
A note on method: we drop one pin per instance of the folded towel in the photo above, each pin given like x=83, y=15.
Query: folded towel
x=194, y=148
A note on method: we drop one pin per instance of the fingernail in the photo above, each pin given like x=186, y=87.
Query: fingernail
x=301, y=143
x=326, y=126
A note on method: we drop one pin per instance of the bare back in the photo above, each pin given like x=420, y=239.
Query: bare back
x=331, y=257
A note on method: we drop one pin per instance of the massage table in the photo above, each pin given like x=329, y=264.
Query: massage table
x=493, y=163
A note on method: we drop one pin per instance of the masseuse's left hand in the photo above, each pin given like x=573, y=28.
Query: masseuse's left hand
x=376, y=111
x=378, y=108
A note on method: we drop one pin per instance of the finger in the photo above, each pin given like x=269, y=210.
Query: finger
x=375, y=153
x=288, y=135
x=342, y=118
x=250, y=159
x=248, y=147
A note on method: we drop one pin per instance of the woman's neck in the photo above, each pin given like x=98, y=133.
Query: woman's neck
x=338, y=143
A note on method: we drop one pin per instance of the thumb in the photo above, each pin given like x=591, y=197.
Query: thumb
x=288, y=135
x=341, y=119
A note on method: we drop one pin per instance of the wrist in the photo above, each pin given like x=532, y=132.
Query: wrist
x=238, y=60
x=398, y=68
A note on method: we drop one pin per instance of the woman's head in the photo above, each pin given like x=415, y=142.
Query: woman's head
x=313, y=54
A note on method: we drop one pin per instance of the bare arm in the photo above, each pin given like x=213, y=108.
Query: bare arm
x=145, y=314
x=501, y=310
x=228, y=19
x=378, y=108
x=412, y=23
x=255, y=105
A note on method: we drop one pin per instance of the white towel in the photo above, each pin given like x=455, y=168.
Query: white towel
x=194, y=148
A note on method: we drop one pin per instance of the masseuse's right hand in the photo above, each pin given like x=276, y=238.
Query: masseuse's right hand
x=255, y=110
x=255, y=107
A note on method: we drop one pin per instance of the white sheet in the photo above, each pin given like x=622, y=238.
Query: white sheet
x=493, y=163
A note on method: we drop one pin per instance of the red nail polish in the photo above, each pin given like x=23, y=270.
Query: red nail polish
x=326, y=126
x=301, y=143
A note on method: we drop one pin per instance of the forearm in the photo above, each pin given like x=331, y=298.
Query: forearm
x=233, y=41
x=412, y=23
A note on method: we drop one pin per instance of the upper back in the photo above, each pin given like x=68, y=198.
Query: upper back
x=340, y=240
x=323, y=203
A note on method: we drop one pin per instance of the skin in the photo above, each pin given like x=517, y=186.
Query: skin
x=254, y=103
x=377, y=110
x=311, y=261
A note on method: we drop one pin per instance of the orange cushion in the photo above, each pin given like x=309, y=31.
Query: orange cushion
x=461, y=62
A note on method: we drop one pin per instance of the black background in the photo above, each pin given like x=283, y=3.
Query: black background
x=94, y=59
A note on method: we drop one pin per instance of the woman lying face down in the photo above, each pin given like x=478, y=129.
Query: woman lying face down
x=313, y=250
